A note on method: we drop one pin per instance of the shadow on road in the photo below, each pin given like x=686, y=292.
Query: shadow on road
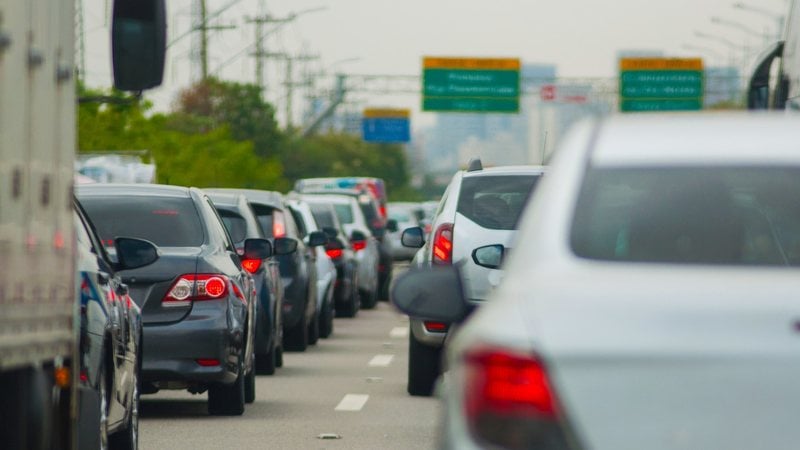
x=173, y=408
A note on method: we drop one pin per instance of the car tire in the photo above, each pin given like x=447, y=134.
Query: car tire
x=313, y=329
x=296, y=338
x=250, y=387
x=326, y=321
x=368, y=298
x=424, y=365
x=384, y=290
x=279, y=356
x=227, y=400
x=265, y=363
x=128, y=438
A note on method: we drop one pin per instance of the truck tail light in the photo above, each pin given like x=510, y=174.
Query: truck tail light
x=190, y=287
x=509, y=400
x=443, y=244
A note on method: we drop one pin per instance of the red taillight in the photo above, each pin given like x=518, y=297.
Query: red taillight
x=359, y=245
x=334, y=253
x=251, y=265
x=189, y=288
x=439, y=327
x=505, y=393
x=278, y=224
x=443, y=244
x=382, y=210
x=207, y=362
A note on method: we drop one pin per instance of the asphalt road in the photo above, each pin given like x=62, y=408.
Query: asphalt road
x=347, y=392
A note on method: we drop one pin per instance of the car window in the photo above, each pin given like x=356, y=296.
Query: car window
x=725, y=215
x=302, y=229
x=344, y=212
x=235, y=224
x=495, y=202
x=264, y=216
x=322, y=214
x=165, y=221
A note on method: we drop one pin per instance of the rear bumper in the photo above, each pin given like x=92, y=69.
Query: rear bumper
x=431, y=338
x=171, y=351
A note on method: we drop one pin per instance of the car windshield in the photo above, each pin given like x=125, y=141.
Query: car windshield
x=726, y=215
x=495, y=201
x=164, y=221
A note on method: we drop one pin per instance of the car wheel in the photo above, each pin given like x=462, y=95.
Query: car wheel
x=128, y=439
x=368, y=299
x=424, y=363
x=384, y=290
x=250, y=386
x=265, y=363
x=326, y=321
x=296, y=338
x=279, y=356
x=227, y=400
x=313, y=329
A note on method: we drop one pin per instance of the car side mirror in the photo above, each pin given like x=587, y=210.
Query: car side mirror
x=489, y=256
x=334, y=244
x=257, y=249
x=138, y=43
x=133, y=253
x=285, y=246
x=758, y=89
x=317, y=238
x=331, y=232
x=391, y=225
x=413, y=237
x=432, y=293
x=358, y=236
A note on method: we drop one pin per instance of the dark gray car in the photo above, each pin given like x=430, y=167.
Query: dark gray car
x=196, y=300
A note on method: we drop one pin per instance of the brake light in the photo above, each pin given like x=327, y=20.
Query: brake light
x=439, y=327
x=278, y=224
x=359, y=245
x=251, y=265
x=334, y=253
x=509, y=400
x=382, y=210
x=188, y=288
x=207, y=362
x=443, y=244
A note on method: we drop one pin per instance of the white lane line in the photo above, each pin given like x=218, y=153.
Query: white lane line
x=399, y=332
x=352, y=402
x=380, y=360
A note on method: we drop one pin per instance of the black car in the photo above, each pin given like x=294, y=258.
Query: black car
x=298, y=274
x=110, y=341
x=197, y=300
x=340, y=251
x=241, y=223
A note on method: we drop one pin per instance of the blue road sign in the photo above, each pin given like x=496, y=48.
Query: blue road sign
x=386, y=129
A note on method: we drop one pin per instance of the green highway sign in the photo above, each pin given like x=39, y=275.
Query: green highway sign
x=471, y=85
x=661, y=84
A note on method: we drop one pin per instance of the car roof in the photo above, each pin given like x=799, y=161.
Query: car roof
x=271, y=198
x=506, y=170
x=705, y=139
x=328, y=198
x=224, y=198
x=162, y=190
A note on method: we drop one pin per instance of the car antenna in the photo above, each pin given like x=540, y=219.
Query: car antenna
x=474, y=165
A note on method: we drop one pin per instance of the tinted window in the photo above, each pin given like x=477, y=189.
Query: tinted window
x=235, y=224
x=688, y=215
x=322, y=215
x=495, y=201
x=302, y=229
x=264, y=216
x=344, y=212
x=167, y=222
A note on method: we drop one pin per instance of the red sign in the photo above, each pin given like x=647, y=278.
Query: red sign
x=547, y=92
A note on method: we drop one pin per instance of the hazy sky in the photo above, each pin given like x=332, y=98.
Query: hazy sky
x=582, y=37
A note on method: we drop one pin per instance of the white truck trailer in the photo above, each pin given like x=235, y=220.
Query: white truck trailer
x=39, y=400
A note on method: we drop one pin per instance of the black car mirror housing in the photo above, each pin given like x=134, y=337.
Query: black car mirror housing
x=133, y=253
x=257, y=249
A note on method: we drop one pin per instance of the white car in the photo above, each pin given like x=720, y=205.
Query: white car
x=406, y=215
x=474, y=225
x=326, y=271
x=363, y=242
x=651, y=301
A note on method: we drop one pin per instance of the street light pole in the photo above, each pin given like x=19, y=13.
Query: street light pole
x=777, y=17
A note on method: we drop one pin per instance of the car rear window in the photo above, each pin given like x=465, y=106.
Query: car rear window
x=234, y=223
x=264, y=216
x=724, y=215
x=322, y=215
x=165, y=221
x=344, y=212
x=495, y=201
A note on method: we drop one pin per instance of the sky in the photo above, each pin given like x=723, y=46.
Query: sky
x=390, y=37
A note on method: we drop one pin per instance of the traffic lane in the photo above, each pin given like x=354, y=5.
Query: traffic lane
x=361, y=370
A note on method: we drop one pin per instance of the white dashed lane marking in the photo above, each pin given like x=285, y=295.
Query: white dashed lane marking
x=399, y=332
x=352, y=402
x=380, y=360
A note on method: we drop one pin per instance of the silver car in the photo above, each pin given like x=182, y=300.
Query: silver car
x=474, y=226
x=651, y=301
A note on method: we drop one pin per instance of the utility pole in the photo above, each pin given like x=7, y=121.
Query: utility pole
x=203, y=27
x=290, y=84
x=260, y=53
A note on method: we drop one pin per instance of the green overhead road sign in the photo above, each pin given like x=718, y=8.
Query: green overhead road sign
x=471, y=85
x=661, y=84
